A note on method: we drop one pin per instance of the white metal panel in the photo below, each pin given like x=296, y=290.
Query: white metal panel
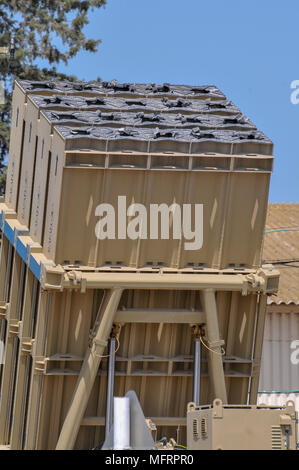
x=280, y=359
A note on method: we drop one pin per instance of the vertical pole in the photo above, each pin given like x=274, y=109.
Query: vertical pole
x=92, y=360
x=216, y=371
x=110, y=387
x=196, y=374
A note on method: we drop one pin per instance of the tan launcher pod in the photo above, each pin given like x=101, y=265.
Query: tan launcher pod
x=64, y=292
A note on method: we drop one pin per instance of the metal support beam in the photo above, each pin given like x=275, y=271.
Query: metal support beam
x=196, y=374
x=257, y=356
x=254, y=282
x=214, y=343
x=92, y=360
x=147, y=315
x=110, y=387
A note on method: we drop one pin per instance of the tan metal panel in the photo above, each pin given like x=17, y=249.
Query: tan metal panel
x=15, y=147
x=280, y=399
x=252, y=427
x=27, y=337
x=76, y=207
x=39, y=196
x=245, y=221
x=14, y=325
x=47, y=224
x=31, y=153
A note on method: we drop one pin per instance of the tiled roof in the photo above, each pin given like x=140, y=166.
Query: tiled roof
x=283, y=246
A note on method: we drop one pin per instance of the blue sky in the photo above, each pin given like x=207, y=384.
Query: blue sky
x=247, y=49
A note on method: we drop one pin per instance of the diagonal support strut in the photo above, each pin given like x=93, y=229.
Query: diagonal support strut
x=214, y=341
x=90, y=366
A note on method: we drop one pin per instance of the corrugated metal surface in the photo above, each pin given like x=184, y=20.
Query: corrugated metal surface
x=280, y=360
x=278, y=399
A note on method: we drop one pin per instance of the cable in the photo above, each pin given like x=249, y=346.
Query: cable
x=282, y=230
x=282, y=261
x=212, y=350
x=285, y=229
x=118, y=346
x=283, y=226
x=179, y=445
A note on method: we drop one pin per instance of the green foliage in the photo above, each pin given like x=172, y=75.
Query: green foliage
x=42, y=29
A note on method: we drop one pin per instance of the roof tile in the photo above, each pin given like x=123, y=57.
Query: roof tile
x=282, y=246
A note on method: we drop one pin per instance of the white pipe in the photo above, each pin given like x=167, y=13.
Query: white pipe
x=121, y=425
